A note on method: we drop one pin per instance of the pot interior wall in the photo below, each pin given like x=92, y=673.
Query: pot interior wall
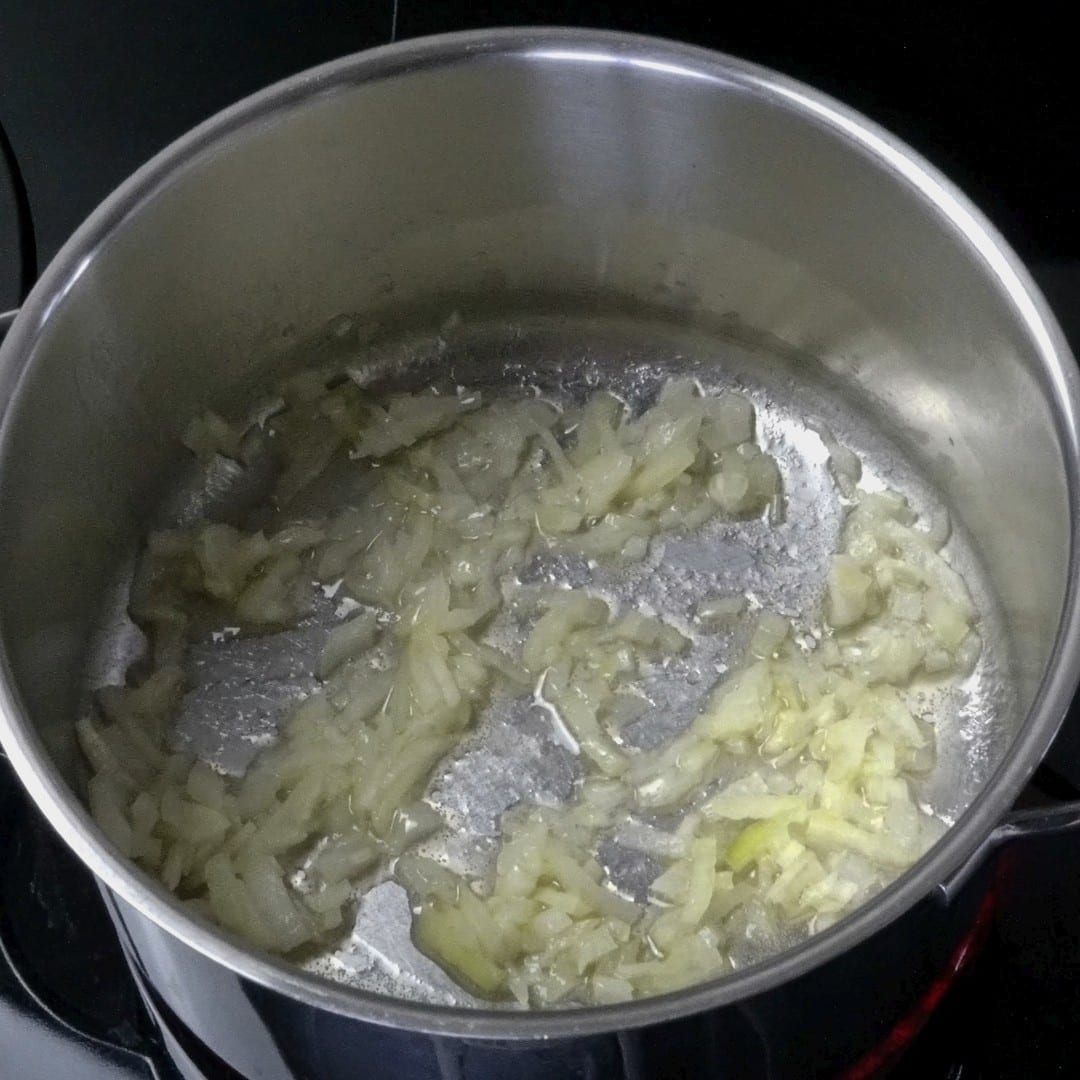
x=580, y=184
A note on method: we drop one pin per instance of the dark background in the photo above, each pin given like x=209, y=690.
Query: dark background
x=90, y=89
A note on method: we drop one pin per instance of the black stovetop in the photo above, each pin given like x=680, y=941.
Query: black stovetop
x=88, y=91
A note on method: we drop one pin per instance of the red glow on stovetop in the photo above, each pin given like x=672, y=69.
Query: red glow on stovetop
x=900, y=1038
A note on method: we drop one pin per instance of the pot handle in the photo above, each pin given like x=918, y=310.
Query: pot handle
x=1033, y=822
x=6, y=319
x=25, y=235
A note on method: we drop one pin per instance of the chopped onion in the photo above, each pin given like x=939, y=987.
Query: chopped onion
x=790, y=790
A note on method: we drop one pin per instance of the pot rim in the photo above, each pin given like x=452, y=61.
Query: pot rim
x=651, y=55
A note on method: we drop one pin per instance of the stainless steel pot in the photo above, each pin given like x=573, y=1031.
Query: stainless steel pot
x=570, y=168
